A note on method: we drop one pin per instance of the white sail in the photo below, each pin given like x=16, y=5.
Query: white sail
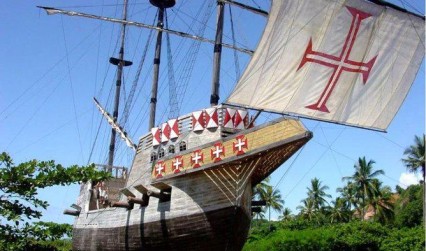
x=349, y=62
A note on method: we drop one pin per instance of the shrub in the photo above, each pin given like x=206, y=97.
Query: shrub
x=406, y=239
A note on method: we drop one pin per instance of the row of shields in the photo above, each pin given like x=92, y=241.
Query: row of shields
x=217, y=154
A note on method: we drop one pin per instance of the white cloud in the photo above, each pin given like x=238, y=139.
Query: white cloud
x=407, y=179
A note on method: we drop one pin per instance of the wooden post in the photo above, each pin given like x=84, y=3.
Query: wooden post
x=71, y=212
x=160, y=195
x=143, y=202
x=120, y=62
x=214, y=98
x=127, y=205
x=157, y=56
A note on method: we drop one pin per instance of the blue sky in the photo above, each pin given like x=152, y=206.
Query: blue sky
x=53, y=66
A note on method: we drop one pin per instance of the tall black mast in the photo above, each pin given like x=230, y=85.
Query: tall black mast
x=214, y=98
x=161, y=5
x=120, y=63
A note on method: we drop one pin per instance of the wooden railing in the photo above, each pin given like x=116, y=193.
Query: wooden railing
x=116, y=171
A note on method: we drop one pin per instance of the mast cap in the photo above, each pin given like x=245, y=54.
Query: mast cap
x=163, y=3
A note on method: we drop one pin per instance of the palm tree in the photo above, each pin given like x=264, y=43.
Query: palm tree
x=349, y=195
x=259, y=215
x=339, y=211
x=259, y=190
x=273, y=200
x=317, y=194
x=363, y=179
x=307, y=210
x=286, y=215
x=382, y=203
x=416, y=156
x=415, y=160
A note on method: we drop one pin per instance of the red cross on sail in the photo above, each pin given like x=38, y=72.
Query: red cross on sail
x=217, y=152
x=212, y=120
x=346, y=62
x=240, y=145
x=177, y=164
x=197, y=158
x=340, y=63
x=156, y=136
x=198, y=121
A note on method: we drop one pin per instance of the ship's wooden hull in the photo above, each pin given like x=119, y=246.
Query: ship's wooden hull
x=210, y=205
x=221, y=229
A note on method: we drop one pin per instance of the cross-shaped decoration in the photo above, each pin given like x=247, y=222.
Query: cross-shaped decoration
x=217, y=151
x=177, y=163
x=160, y=168
x=240, y=145
x=340, y=64
x=196, y=158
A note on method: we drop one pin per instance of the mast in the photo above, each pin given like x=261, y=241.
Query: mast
x=157, y=56
x=214, y=98
x=161, y=5
x=120, y=63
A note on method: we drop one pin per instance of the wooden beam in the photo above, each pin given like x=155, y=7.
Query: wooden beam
x=161, y=185
x=71, y=212
x=122, y=204
x=256, y=209
x=141, y=188
x=162, y=196
x=143, y=202
x=255, y=203
x=127, y=192
x=76, y=207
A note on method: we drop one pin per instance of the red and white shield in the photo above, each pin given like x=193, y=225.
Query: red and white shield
x=198, y=121
x=241, y=119
x=217, y=152
x=197, y=158
x=240, y=145
x=228, y=120
x=177, y=164
x=156, y=136
x=160, y=168
x=165, y=129
x=212, y=120
x=174, y=128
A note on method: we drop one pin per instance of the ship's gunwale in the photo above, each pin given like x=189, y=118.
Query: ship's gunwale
x=249, y=154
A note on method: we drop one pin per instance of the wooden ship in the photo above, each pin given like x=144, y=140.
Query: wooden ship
x=190, y=184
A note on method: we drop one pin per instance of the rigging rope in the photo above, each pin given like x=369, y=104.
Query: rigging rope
x=129, y=103
x=191, y=56
x=236, y=61
x=72, y=88
x=173, y=102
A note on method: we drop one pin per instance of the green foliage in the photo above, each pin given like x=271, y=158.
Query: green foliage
x=390, y=221
x=358, y=235
x=353, y=236
x=406, y=239
x=34, y=245
x=415, y=156
x=284, y=239
x=19, y=203
x=409, y=209
x=264, y=191
x=317, y=194
x=318, y=233
x=364, y=183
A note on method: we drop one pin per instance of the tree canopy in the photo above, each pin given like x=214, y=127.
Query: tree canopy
x=19, y=204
